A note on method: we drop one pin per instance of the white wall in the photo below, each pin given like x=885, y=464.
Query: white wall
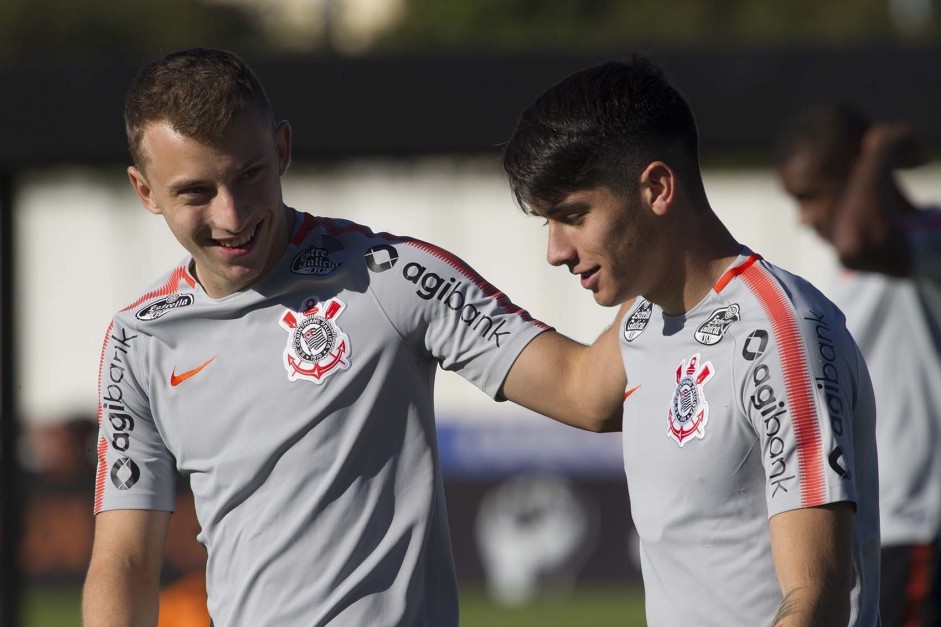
x=86, y=248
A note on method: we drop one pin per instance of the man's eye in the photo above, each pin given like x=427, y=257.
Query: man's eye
x=250, y=173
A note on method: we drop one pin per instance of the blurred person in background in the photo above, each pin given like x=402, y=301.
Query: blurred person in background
x=62, y=453
x=287, y=366
x=58, y=528
x=840, y=169
x=748, y=418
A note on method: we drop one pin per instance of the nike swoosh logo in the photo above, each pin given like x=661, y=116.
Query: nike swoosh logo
x=630, y=391
x=176, y=379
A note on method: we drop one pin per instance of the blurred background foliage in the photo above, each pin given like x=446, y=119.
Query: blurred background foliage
x=52, y=30
x=584, y=24
x=65, y=29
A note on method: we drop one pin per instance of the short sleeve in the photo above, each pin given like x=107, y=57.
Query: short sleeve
x=135, y=469
x=452, y=314
x=798, y=392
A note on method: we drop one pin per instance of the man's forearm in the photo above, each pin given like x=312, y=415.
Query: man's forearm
x=119, y=597
x=803, y=607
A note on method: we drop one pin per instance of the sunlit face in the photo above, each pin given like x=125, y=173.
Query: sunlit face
x=223, y=203
x=602, y=237
x=816, y=192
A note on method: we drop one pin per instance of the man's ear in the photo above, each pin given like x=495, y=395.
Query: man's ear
x=282, y=138
x=658, y=186
x=144, y=191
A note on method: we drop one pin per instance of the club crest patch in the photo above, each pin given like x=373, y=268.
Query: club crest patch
x=316, y=347
x=315, y=259
x=689, y=411
x=637, y=321
x=713, y=330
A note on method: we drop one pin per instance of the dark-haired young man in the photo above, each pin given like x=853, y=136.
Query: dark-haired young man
x=748, y=423
x=839, y=167
x=286, y=365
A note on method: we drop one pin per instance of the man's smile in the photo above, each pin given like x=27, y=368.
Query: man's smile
x=589, y=277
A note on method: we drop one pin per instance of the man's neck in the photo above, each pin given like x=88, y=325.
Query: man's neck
x=707, y=251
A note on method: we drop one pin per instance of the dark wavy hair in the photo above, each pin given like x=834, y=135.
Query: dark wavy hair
x=601, y=126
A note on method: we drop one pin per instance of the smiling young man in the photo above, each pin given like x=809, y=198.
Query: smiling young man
x=840, y=169
x=241, y=173
x=748, y=415
x=286, y=366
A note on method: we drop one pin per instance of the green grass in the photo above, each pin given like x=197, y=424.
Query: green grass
x=51, y=607
x=585, y=606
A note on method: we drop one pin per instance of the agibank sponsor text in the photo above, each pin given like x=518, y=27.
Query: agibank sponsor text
x=124, y=472
x=448, y=292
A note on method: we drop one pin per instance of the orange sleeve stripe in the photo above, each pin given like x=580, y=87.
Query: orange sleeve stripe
x=102, y=443
x=798, y=382
x=308, y=223
x=171, y=285
x=731, y=273
x=102, y=473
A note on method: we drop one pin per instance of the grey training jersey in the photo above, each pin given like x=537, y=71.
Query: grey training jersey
x=897, y=324
x=753, y=403
x=301, y=410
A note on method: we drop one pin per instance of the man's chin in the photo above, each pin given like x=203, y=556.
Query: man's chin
x=605, y=300
x=613, y=299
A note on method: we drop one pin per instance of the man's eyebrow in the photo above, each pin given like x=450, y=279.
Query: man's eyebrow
x=179, y=186
x=565, y=206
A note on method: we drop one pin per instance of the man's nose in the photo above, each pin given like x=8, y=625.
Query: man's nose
x=559, y=250
x=230, y=212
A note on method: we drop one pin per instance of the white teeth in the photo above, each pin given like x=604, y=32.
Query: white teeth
x=235, y=243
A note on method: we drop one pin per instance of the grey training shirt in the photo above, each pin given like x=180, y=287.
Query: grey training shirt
x=753, y=403
x=897, y=323
x=302, y=411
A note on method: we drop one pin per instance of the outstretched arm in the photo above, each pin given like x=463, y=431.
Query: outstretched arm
x=812, y=550
x=867, y=232
x=123, y=581
x=582, y=386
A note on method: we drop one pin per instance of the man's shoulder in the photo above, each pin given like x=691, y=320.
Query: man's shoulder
x=785, y=305
x=777, y=289
x=172, y=290
x=381, y=251
x=340, y=229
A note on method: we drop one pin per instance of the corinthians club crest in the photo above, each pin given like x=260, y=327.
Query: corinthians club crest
x=689, y=411
x=316, y=347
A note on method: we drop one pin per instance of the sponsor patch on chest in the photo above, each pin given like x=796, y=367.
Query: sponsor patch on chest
x=713, y=330
x=637, y=321
x=163, y=306
x=315, y=259
x=689, y=411
x=316, y=347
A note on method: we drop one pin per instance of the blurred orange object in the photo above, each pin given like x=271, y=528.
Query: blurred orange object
x=183, y=603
